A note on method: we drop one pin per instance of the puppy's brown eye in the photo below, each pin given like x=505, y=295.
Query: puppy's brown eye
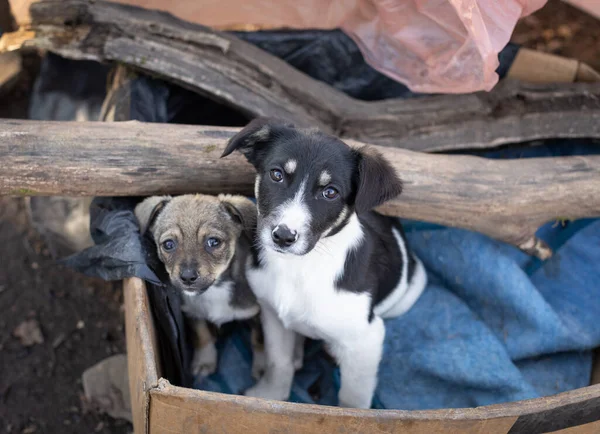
x=213, y=242
x=169, y=245
x=276, y=175
x=330, y=193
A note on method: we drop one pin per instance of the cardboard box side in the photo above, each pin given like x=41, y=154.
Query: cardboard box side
x=179, y=410
x=142, y=360
x=536, y=67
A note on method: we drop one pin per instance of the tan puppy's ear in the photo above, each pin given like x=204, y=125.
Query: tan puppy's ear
x=242, y=211
x=147, y=211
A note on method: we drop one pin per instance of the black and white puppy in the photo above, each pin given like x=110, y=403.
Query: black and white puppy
x=327, y=266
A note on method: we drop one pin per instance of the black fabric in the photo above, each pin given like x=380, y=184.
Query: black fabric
x=506, y=58
x=332, y=57
x=120, y=251
x=77, y=79
x=174, y=350
x=155, y=100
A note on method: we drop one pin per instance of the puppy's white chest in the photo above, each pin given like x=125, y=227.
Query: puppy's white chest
x=302, y=290
x=214, y=305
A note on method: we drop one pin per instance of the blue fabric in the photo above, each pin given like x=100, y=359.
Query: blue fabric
x=493, y=325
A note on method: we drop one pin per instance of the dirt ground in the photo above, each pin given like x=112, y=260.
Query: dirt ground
x=81, y=319
x=81, y=323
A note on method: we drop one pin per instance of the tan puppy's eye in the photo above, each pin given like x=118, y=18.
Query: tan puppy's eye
x=169, y=245
x=213, y=243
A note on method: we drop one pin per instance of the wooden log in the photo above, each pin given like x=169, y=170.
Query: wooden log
x=252, y=81
x=505, y=199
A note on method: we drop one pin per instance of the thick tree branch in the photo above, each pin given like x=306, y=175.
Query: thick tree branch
x=505, y=199
x=242, y=76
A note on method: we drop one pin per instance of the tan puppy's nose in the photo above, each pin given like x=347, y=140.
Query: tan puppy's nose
x=188, y=275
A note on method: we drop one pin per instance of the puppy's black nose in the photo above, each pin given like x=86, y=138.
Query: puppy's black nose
x=188, y=276
x=284, y=236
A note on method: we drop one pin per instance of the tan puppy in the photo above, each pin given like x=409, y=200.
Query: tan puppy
x=205, y=242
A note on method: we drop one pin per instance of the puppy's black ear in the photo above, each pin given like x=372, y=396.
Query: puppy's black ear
x=377, y=180
x=255, y=138
x=147, y=211
x=241, y=210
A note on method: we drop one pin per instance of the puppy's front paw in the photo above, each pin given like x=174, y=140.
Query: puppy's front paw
x=266, y=390
x=354, y=399
x=259, y=362
x=205, y=360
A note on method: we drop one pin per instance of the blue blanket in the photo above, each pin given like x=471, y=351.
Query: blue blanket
x=493, y=325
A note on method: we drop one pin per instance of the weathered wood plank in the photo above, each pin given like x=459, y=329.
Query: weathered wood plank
x=511, y=113
x=179, y=410
x=505, y=199
x=142, y=351
x=240, y=75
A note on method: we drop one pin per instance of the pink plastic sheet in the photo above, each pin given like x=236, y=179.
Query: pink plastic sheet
x=432, y=46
